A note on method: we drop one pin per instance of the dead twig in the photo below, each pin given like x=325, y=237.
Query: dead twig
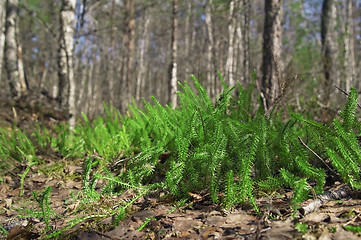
x=344, y=92
x=314, y=153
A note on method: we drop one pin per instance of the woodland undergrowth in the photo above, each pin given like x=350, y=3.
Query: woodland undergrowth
x=231, y=150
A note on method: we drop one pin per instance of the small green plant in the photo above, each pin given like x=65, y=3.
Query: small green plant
x=43, y=199
x=352, y=228
x=332, y=229
x=301, y=227
x=147, y=220
x=31, y=163
x=3, y=231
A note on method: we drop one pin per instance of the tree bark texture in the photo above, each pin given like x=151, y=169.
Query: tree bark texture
x=349, y=47
x=66, y=95
x=144, y=43
x=111, y=53
x=210, y=48
x=11, y=57
x=246, y=7
x=128, y=87
x=187, y=38
x=2, y=34
x=173, y=64
x=329, y=45
x=22, y=79
x=231, y=31
x=211, y=53
x=272, y=42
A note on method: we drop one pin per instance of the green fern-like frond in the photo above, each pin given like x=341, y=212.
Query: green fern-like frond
x=348, y=114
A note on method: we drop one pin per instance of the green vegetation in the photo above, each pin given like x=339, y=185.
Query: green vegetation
x=301, y=227
x=229, y=149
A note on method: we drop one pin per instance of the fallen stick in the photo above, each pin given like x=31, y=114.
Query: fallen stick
x=321, y=199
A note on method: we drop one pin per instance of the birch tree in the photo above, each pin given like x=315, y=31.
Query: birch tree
x=66, y=95
x=231, y=31
x=173, y=64
x=272, y=40
x=211, y=65
x=144, y=43
x=11, y=57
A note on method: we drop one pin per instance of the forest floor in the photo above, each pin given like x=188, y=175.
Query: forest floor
x=152, y=216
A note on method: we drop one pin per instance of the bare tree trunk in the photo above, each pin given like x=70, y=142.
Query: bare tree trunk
x=66, y=88
x=111, y=53
x=246, y=6
x=128, y=54
x=2, y=34
x=11, y=58
x=272, y=39
x=211, y=53
x=173, y=65
x=22, y=80
x=231, y=27
x=349, y=48
x=239, y=43
x=188, y=32
x=329, y=57
x=144, y=42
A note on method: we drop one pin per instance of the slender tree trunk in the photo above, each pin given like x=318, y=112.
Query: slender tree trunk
x=144, y=42
x=211, y=53
x=210, y=46
x=22, y=79
x=329, y=56
x=239, y=43
x=231, y=27
x=246, y=6
x=272, y=38
x=66, y=88
x=111, y=53
x=2, y=34
x=127, y=70
x=11, y=58
x=188, y=32
x=173, y=65
x=349, y=48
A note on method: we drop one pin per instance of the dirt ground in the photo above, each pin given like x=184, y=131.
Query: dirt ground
x=152, y=216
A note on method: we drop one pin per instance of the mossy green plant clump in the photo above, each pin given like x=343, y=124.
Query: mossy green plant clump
x=230, y=149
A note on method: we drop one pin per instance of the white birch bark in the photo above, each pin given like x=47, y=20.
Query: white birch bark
x=210, y=77
x=11, y=58
x=22, y=80
x=240, y=53
x=231, y=30
x=144, y=43
x=66, y=68
x=173, y=70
